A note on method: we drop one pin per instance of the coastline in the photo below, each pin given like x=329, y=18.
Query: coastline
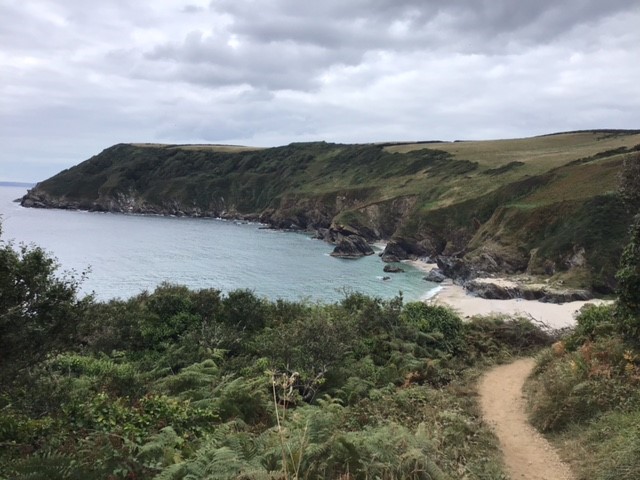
x=555, y=315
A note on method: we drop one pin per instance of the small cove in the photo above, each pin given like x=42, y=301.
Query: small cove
x=127, y=254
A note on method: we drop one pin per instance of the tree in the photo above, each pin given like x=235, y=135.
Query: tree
x=629, y=182
x=39, y=309
x=628, y=307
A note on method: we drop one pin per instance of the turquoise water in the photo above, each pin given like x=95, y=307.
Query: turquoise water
x=127, y=254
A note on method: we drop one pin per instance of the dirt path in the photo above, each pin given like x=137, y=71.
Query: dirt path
x=527, y=455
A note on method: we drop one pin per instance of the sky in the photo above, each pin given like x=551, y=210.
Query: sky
x=78, y=76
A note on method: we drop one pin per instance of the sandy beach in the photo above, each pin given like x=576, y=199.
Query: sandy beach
x=455, y=296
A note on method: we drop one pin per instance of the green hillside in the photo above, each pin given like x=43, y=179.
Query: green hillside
x=542, y=205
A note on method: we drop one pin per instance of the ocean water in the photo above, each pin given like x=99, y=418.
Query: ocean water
x=127, y=254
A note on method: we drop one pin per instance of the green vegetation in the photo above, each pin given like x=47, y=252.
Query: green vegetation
x=629, y=273
x=585, y=396
x=584, y=392
x=545, y=205
x=180, y=384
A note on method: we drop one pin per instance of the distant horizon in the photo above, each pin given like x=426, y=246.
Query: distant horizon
x=17, y=184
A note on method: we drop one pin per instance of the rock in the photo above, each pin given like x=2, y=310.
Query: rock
x=386, y=278
x=394, y=252
x=576, y=260
x=495, y=291
x=392, y=269
x=492, y=291
x=563, y=296
x=353, y=246
x=349, y=230
x=31, y=203
x=455, y=268
x=435, y=275
x=324, y=234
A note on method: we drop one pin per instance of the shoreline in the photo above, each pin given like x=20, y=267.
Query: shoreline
x=555, y=315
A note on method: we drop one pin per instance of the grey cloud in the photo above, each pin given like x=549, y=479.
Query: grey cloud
x=302, y=21
x=77, y=76
x=193, y=9
x=288, y=44
x=275, y=65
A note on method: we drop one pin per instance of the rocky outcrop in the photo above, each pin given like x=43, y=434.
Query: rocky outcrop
x=392, y=269
x=496, y=290
x=493, y=291
x=435, y=276
x=382, y=219
x=352, y=246
x=455, y=268
x=563, y=296
x=393, y=252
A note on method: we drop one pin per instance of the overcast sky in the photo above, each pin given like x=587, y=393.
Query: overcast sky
x=77, y=76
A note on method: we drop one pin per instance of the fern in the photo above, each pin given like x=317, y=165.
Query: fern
x=46, y=466
x=161, y=450
x=229, y=452
x=194, y=382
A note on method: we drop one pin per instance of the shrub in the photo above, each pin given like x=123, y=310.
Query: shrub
x=628, y=276
x=170, y=315
x=243, y=310
x=39, y=309
x=592, y=321
x=501, y=336
x=574, y=387
x=438, y=320
x=103, y=374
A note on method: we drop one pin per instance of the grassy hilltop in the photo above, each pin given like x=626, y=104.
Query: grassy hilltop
x=542, y=205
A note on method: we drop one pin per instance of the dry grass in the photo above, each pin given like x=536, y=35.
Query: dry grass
x=196, y=147
x=578, y=183
x=539, y=153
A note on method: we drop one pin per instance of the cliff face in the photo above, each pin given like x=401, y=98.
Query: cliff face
x=545, y=205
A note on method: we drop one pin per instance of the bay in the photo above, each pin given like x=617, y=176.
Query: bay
x=127, y=254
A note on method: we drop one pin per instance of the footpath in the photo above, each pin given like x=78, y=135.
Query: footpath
x=527, y=455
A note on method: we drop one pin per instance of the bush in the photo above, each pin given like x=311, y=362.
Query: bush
x=444, y=326
x=103, y=374
x=628, y=311
x=574, y=387
x=593, y=321
x=39, y=309
x=499, y=336
x=170, y=315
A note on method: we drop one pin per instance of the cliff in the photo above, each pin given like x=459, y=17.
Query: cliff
x=543, y=205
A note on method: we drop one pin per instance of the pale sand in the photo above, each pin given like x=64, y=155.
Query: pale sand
x=552, y=314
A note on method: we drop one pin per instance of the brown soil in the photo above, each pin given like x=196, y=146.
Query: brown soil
x=527, y=455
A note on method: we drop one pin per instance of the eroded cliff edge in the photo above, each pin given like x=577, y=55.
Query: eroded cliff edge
x=544, y=206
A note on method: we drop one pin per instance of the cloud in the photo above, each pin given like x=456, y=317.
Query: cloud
x=76, y=77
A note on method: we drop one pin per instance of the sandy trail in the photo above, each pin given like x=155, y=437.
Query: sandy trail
x=527, y=455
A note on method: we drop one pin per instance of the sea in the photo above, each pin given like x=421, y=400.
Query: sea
x=119, y=256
